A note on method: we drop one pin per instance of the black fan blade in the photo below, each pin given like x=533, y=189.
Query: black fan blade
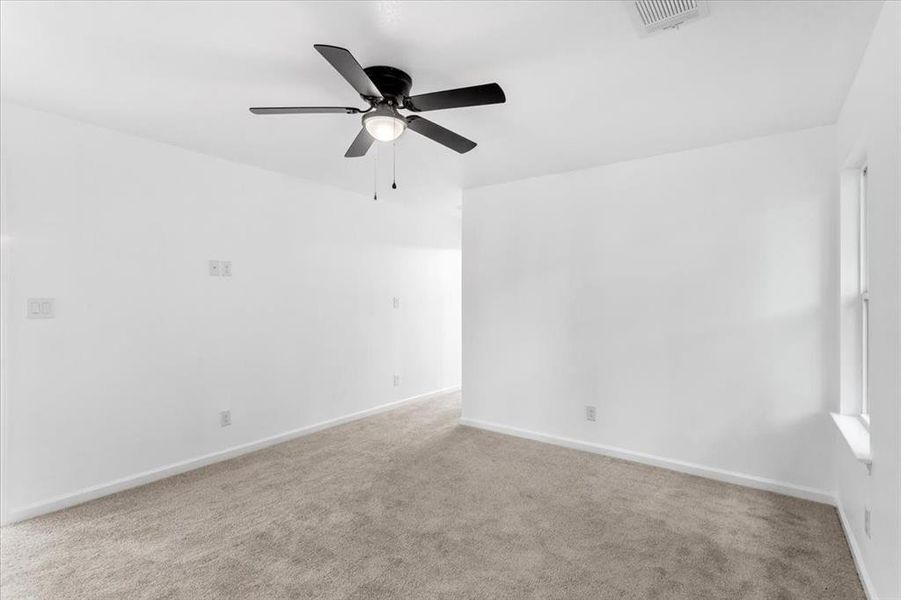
x=303, y=110
x=360, y=145
x=345, y=63
x=443, y=136
x=477, y=95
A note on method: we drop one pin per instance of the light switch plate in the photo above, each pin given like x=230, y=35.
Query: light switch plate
x=214, y=268
x=225, y=268
x=41, y=308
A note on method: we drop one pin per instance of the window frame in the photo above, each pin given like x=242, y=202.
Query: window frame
x=864, y=295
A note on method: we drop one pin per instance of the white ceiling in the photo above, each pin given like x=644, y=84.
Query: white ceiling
x=582, y=87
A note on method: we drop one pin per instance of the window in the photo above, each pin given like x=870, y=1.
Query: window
x=863, y=270
x=854, y=322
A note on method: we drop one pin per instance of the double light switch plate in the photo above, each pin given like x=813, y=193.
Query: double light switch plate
x=41, y=308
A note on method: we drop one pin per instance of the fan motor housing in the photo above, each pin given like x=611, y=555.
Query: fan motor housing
x=393, y=83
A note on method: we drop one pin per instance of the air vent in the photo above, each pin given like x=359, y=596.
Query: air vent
x=656, y=15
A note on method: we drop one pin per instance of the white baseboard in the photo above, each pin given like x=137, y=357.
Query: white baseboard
x=124, y=483
x=865, y=580
x=742, y=479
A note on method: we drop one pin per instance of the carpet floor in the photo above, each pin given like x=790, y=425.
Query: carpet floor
x=410, y=504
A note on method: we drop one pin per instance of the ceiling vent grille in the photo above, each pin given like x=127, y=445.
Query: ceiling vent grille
x=655, y=15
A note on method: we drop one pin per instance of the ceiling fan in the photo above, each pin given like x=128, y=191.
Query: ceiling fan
x=387, y=90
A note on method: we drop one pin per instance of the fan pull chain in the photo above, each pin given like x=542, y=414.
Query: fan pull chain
x=375, y=171
x=394, y=165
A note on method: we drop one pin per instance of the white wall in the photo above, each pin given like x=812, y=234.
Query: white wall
x=868, y=133
x=691, y=297
x=146, y=348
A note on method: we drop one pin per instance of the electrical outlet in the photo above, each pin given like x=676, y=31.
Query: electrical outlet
x=214, y=268
x=396, y=302
x=397, y=381
x=225, y=418
x=591, y=413
x=866, y=521
x=225, y=266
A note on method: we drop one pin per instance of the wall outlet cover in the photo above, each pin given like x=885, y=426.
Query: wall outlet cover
x=225, y=268
x=225, y=418
x=214, y=268
x=591, y=413
x=866, y=521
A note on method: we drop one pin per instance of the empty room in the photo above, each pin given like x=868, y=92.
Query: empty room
x=546, y=300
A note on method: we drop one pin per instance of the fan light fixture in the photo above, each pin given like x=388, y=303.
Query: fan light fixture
x=384, y=125
x=386, y=90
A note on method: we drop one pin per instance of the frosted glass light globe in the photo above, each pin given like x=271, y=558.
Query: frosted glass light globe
x=384, y=128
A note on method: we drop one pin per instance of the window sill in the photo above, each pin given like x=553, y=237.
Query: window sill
x=856, y=435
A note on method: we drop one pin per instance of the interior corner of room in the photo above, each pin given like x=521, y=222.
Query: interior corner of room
x=415, y=299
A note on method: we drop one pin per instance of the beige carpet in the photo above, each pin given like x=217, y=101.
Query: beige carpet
x=409, y=504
